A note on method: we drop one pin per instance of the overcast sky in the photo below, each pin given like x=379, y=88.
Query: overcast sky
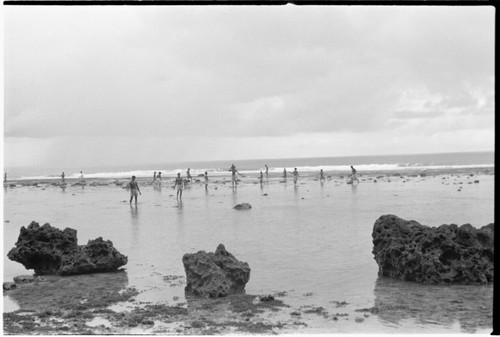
x=92, y=85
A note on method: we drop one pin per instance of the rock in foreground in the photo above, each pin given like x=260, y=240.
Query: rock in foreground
x=50, y=251
x=447, y=254
x=215, y=274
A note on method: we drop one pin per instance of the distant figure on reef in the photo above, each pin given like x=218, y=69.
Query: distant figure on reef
x=5, y=177
x=206, y=180
x=62, y=177
x=82, y=180
x=267, y=171
x=179, y=183
x=354, y=176
x=261, y=178
x=233, y=174
x=321, y=175
x=284, y=173
x=154, y=177
x=158, y=176
x=134, y=189
x=188, y=174
x=295, y=176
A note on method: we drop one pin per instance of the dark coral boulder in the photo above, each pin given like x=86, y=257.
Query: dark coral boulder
x=215, y=274
x=447, y=254
x=51, y=251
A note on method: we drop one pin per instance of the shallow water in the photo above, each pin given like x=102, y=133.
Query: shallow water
x=312, y=241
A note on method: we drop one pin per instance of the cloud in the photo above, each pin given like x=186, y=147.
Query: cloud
x=246, y=71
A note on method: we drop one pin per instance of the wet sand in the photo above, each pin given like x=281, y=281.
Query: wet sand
x=309, y=246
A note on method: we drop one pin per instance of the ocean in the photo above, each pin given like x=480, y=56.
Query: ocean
x=306, y=166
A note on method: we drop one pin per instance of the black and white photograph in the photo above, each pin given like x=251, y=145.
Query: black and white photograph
x=248, y=169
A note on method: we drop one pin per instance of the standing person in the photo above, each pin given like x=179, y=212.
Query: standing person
x=179, y=183
x=157, y=181
x=284, y=173
x=81, y=175
x=233, y=174
x=321, y=175
x=62, y=177
x=188, y=174
x=5, y=177
x=267, y=171
x=154, y=177
x=354, y=175
x=206, y=180
x=295, y=176
x=134, y=189
x=261, y=178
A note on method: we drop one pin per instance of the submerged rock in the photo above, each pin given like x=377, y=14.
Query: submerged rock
x=215, y=274
x=447, y=254
x=50, y=251
x=24, y=279
x=9, y=286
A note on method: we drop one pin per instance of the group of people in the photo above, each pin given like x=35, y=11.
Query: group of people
x=63, y=178
x=180, y=183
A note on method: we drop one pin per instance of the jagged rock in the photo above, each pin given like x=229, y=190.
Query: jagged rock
x=215, y=274
x=243, y=206
x=447, y=254
x=50, y=251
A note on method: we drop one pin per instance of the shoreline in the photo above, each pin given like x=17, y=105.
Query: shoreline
x=144, y=181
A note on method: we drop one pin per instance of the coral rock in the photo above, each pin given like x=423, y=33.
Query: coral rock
x=215, y=274
x=447, y=254
x=50, y=251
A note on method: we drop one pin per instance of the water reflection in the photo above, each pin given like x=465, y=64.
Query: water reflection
x=157, y=187
x=134, y=221
x=58, y=291
x=134, y=214
x=234, y=196
x=470, y=305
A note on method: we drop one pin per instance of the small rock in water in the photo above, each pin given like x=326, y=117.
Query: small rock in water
x=476, y=181
x=243, y=206
x=359, y=319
